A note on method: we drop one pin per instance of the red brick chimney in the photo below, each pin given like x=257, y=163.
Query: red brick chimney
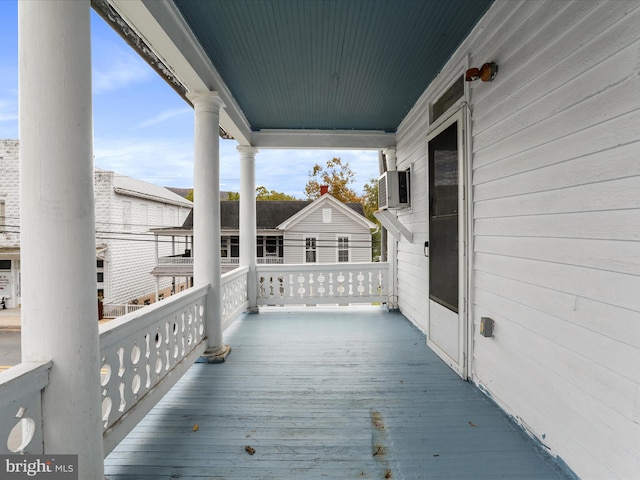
x=324, y=189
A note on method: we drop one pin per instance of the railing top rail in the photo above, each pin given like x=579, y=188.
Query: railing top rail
x=347, y=266
x=23, y=379
x=150, y=312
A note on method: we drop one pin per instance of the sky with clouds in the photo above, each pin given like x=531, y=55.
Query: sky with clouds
x=143, y=129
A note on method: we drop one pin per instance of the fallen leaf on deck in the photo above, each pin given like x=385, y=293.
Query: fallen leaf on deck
x=472, y=424
x=250, y=450
x=196, y=427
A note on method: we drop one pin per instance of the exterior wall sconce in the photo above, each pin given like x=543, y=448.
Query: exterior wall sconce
x=486, y=73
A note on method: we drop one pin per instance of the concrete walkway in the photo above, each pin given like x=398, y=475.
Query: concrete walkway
x=10, y=319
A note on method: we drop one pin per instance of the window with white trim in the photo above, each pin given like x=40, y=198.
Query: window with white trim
x=343, y=249
x=310, y=250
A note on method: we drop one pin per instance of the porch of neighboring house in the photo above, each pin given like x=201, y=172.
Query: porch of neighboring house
x=326, y=392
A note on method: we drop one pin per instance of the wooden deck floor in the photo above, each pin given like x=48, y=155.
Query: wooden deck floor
x=338, y=394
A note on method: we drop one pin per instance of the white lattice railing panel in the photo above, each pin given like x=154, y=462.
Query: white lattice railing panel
x=234, y=293
x=322, y=283
x=140, y=350
x=21, y=408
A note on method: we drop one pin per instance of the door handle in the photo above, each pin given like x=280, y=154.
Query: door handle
x=426, y=249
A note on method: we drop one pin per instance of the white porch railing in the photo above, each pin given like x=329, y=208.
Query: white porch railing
x=342, y=283
x=175, y=261
x=21, y=408
x=234, y=294
x=145, y=353
x=113, y=310
x=259, y=261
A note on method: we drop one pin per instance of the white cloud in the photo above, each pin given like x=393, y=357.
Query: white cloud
x=157, y=161
x=166, y=115
x=116, y=67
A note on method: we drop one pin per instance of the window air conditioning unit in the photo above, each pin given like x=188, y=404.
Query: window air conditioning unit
x=393, y=190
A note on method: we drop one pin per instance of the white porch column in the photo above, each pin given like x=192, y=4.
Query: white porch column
x=57, y=225
x=248, y=220
x=206, y=216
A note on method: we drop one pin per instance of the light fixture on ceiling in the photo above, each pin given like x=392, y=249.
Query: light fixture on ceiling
x=486, y=73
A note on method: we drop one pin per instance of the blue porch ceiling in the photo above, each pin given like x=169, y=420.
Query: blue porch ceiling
x=329, y=64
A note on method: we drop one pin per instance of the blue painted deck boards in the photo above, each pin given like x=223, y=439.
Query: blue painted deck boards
x=338, y=394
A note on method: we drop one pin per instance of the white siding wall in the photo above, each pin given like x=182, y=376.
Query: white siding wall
x=131, y=255
x=327, y=235
x=556, y=190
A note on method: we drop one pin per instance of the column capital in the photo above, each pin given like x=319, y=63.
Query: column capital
x=206, y=100
x=247, y=151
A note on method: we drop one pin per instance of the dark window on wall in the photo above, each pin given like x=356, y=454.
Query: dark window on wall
x=235, y=247
x=100, y=263
x=343, y=249
x=448, y=99
x=310, y=250
x=5, y=264
x=224, y=247
x=100, y=277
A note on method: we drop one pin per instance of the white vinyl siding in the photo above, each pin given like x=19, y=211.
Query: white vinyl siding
x=312, y=225
x=556, y=203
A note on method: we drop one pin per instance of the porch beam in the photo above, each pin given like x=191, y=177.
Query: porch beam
x=329, y=139
x=57, y=223
x=206, y=217
x=248, y=229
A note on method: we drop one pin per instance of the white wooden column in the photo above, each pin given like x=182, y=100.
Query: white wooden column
x=206, y=216
x=248, y=220
x=57, y=225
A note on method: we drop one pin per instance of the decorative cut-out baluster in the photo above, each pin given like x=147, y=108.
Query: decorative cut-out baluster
x=340, y=278
x=123, y=402
x=321, y=289
x=360, y=287
x=147, y=369
x=311, y=283
x=291, y=294
x=121, y=367
x=331, y=284
x=281, y=288
x=301, y=289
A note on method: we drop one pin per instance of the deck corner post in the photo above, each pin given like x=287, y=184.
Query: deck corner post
x=248, y=229
x=206, y=216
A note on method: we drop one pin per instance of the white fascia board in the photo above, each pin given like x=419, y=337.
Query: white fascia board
x=393, y=225
x=163, y=29
x=324, y=139
x=318, y=203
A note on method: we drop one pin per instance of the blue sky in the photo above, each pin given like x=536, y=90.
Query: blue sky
x=143, y=129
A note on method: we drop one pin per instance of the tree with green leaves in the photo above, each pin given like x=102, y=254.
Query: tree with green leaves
x=370, y=205
x=337, y=176
x=263, y=194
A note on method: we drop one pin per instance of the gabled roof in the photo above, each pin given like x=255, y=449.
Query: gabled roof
x=137, y=188
x=269, y=214
x=322, y=202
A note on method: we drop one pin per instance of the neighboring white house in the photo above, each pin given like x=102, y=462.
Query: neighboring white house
x=126, y=209
x=9, y=224
x=324, y=230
